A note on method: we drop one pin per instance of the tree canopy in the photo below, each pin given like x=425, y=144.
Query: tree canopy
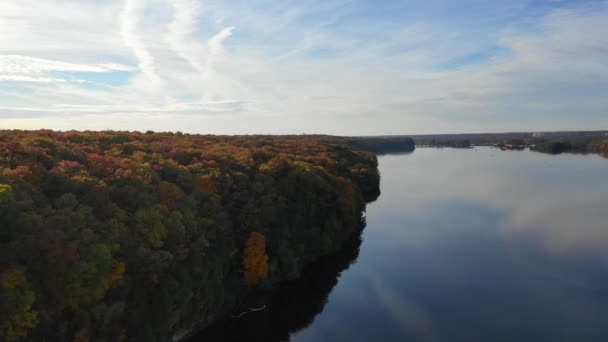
x=138, y=237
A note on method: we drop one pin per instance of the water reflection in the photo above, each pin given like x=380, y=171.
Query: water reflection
x=559, y=199
x=464, y=245
x=478, y=245
x=290, y=308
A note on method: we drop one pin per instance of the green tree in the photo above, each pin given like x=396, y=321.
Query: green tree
x=16, y=314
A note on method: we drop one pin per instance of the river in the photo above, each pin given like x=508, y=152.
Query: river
x=462, y=245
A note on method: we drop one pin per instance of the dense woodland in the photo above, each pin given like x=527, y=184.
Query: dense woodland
x=381, y=145
x=118, y=236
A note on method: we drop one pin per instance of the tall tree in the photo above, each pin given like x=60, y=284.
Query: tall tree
x=255, y=259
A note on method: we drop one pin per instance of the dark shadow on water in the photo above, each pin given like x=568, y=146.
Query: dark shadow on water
x=395, y=153
x=291, y=307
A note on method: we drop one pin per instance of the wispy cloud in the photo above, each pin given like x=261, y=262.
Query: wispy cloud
x=16, y=64
x=181, y=29
x=216, y=42
x=129, y=19
x=15, y=67
x=35, y=79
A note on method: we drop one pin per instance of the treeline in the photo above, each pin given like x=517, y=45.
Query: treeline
x=118, y=236
x=489, y=139
x=574, y=145
x=375, y=144
x=466, y=140
x=453, y=143
x=545, y=142
x=380, y=145
x=600, y=147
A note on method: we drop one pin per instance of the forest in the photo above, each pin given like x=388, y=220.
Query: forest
x=127, y=236
x=378, y=145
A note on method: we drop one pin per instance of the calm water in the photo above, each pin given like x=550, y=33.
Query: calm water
x=465, y=245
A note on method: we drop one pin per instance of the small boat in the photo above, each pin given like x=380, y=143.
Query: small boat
x=250, y=310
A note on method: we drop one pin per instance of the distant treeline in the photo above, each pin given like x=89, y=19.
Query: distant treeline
x=384, y=145
x=550, y=142
x=453, y=143
x=120, y=236
x=576, y=145
x=377, y=145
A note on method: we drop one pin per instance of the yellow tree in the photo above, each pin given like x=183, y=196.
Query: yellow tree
x=116, y=275
x=255, y=260
x=6, y=194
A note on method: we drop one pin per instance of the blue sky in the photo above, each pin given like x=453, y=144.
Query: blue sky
x=345, y=67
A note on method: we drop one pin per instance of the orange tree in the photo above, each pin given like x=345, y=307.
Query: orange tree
x=255, y=260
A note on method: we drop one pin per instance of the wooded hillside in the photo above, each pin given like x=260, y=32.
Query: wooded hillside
x=110, y=236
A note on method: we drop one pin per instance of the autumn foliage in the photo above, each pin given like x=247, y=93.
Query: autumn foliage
x=109, y=236
x=255, y=260
x=6, y=194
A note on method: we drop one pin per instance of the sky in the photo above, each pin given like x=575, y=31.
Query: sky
x=343, y=67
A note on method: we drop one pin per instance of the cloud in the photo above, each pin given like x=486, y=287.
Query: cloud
x=216, y=54
x=306, y=45
x=413, y=319
x=315, y=66
x=15, y=64
x=21, y=78
x=181, y=29
x=37, y=70
x=216, y=42
x=129, y=20
x=519, y=189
